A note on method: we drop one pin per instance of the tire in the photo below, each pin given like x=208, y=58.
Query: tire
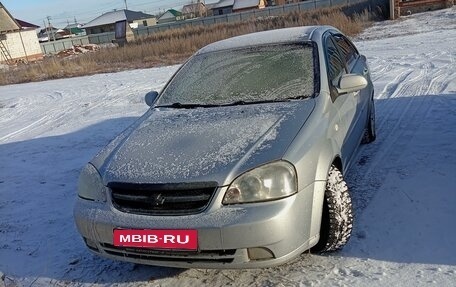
x=337, y=217
x=369, y=134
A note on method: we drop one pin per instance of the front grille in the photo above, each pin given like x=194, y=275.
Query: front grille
x=162, y=199
x=221, y=256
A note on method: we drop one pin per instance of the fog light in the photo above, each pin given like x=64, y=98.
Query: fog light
x=91, y=244
x=260, y=253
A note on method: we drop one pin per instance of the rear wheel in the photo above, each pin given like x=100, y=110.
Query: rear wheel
x=370, y=134
x=337, y=217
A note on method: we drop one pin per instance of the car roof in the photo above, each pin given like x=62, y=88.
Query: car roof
x=285, y=35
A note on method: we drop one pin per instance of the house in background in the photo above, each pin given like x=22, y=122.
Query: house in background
x=49, y=34
x=144, y=22
x=406, y=7
x=75, y=30
x=246, y=5
x=222, y=7
x=169, y=16
x=194, y=10
x=229, y=6
x=107, y=22
x=26, y=25
x=18, y=39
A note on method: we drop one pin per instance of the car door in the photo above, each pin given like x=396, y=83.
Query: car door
x=345, y=104
x=355, y=64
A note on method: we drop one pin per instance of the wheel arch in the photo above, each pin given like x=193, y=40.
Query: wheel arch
x=337, y=162
x=327, y=160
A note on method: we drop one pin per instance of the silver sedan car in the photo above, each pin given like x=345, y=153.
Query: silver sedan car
x=240, y=160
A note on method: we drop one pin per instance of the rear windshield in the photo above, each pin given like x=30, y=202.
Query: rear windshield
x=263, y=73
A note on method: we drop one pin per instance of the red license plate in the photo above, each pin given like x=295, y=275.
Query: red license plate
x=159, y=239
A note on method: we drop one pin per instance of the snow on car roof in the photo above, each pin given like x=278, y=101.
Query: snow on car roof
x=294, y=34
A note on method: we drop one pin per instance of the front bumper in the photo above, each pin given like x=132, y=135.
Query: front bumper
x=228, y=236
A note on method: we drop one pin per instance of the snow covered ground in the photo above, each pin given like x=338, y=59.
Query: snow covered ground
x=404, y=184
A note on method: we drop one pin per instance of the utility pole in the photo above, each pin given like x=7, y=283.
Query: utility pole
x=50, y=27
x=126, y=6
x=47, y=31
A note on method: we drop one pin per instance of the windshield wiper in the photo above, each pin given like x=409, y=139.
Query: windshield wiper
x=186, y=106
x=300, y=97
x=240, y=103
x=236, y=103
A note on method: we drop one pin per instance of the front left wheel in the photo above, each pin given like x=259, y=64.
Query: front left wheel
x=337, y=217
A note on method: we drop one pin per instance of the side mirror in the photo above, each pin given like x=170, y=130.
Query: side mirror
x=351, y=83
x=151, y=97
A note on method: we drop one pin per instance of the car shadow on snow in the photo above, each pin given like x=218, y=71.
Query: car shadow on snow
x=402, y=192
x=38, y=181
x=403, y=184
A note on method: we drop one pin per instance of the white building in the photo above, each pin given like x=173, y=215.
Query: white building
x=170, y=15
x=18, y=39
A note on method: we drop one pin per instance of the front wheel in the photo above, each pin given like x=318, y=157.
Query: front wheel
x=337, y=217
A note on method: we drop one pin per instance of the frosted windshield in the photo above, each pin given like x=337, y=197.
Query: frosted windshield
x=263, y=73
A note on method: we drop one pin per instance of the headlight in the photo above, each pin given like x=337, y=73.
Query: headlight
x=90, y=186
x=268, y=182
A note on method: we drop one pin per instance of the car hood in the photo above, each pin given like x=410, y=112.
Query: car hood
x=202, y=144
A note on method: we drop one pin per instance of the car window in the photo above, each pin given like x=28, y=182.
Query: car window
x=261, y=73
x=347, y=49
x=335, y=65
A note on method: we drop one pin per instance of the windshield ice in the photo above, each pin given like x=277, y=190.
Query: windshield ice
x=262, y=73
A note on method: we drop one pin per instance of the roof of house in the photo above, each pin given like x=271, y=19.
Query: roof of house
x=74, y=28
x=175, y=12
x=74, y=25
x=243, y=4
x=48, y=29
x=222, y=4
x=115, y=16
x=170, y=14
x=194, y=7
x=24, y=24
x=7, y=22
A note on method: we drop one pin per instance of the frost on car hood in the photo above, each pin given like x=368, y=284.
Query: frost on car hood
x=203, y=144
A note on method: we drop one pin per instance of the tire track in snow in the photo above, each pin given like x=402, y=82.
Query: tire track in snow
x=390, y=89
x=410, y=86
x=51, y=120
x=22, y=130
x=66, y=104
x=28, y=106
x=380, y=67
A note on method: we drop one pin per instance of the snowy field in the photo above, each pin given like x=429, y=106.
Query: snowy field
x=404, y=184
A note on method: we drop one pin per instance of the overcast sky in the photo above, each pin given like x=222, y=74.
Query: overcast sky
x=61, y=12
